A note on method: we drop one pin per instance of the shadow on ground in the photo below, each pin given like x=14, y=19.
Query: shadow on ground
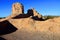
x=6, y=27
x=2, y=38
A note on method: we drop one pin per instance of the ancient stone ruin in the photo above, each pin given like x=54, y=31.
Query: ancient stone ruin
x=33, y=12
x=17, y=8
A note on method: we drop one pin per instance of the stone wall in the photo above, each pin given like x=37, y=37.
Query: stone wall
x=17, y=8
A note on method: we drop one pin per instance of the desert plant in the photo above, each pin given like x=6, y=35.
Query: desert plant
x=49, y=17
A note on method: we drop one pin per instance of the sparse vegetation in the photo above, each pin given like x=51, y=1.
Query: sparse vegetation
x=49, y=17
x=2, y=17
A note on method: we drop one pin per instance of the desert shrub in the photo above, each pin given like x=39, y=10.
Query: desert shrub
x=2, y=17
x=49, y=17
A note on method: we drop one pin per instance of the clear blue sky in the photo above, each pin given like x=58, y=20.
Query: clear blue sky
x=44, y=7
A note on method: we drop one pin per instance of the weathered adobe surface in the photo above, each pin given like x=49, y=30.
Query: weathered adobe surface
x=30, y=29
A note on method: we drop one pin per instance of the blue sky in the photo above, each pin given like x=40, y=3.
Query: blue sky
x=44, y=7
